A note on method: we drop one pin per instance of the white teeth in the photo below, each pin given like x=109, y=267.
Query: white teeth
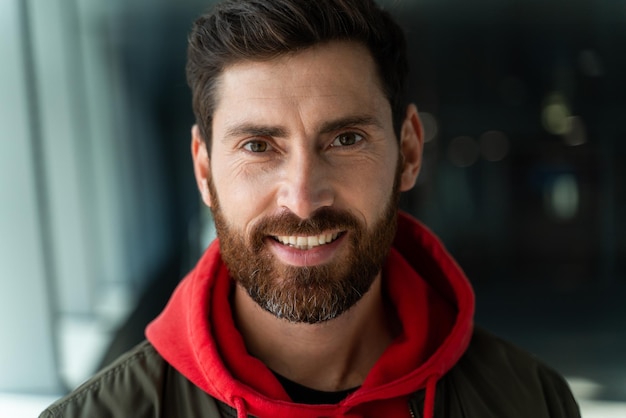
x=306, y=243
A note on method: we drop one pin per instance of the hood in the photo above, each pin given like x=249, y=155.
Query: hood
x=434, y=301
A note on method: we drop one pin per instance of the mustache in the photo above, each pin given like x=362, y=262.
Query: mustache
x=287, y=223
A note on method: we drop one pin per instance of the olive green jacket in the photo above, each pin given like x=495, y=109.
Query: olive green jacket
x=493, y=379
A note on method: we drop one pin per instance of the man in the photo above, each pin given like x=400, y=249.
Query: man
x=318, y=299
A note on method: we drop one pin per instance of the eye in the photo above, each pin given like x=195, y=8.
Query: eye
x=346, y=139
x=256, y=146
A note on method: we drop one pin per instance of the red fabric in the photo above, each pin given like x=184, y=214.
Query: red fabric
x=433, y=300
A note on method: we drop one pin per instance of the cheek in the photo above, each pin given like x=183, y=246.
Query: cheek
x=368, y=192
x=241, y=196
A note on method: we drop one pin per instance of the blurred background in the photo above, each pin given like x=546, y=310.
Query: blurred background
x=523, y=104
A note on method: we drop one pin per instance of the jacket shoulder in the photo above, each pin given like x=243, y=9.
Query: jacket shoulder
x=140, y=383
x=496, y=379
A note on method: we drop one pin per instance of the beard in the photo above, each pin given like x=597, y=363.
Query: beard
x=307, y=294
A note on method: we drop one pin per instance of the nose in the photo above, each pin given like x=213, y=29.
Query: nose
x=306, y=184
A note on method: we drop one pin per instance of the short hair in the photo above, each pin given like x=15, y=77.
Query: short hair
x=238, y=30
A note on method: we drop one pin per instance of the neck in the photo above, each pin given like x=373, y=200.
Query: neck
x=347, y=347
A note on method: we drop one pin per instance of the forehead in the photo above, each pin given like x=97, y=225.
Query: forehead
x=328, y=78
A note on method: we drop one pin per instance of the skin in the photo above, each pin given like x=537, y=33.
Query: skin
x=297, y=133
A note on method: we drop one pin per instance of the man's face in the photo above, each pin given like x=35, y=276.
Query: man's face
x=304, y=176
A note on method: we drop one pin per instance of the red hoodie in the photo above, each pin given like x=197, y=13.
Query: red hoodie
x=434, y=301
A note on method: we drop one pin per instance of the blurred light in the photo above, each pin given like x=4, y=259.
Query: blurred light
x=577, y=134
x=555, y=115
x=430, y=126
x=494, y=145
x=463, y=151
x=590, y=64
x=584, y=388
x=513, y=91
x=562, y=197
x=83, y=343
x=22, y=405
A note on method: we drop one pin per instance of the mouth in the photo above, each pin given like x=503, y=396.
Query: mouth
x=307, y=242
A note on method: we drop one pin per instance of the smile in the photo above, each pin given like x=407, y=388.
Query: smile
x=307, y=243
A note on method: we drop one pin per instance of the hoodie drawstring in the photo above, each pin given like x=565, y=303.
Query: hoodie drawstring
x=429, y=401
x=240, y=406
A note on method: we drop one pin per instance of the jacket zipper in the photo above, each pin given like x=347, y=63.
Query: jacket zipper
x=414, y=408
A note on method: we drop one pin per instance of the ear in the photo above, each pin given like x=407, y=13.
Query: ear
x=201, y=164
x=411, y=148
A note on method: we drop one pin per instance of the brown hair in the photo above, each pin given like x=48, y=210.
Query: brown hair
x=238, y=30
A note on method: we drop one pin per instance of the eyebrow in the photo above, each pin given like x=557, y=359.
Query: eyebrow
x=349, y=121
x=259, y=130
x=251, y=129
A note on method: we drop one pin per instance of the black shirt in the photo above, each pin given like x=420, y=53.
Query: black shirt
x=303, y=394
